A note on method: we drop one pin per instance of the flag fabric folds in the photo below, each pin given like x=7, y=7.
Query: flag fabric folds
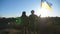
x=45, y=4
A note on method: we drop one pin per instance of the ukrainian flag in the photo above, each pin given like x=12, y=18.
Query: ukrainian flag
x=45, y=4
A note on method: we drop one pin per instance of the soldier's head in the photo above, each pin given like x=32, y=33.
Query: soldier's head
x=23, y=13
x=32, y=12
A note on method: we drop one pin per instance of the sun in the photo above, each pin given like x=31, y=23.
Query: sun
x=43, y=12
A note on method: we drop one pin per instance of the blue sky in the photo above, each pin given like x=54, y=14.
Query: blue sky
x=14, y=8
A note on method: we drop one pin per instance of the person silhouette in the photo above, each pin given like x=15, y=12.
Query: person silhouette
x=24, y=19
x=33, y=17
x=24, y=22
x=33, y=21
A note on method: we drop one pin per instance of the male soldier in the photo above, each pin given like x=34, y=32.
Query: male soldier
x=24, y=22
x=33, y=21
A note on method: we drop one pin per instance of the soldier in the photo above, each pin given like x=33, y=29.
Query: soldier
x=33, y=21
x=24, y=22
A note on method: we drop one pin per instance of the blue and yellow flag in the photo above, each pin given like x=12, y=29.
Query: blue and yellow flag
x=45, y=4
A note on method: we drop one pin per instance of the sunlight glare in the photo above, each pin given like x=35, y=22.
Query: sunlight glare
x=43, y=12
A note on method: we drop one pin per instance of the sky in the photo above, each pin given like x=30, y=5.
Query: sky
x=14, y=8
